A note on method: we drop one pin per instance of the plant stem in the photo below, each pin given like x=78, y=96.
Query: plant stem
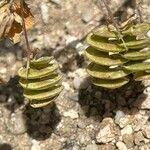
x=28, y=50
x=114, y=23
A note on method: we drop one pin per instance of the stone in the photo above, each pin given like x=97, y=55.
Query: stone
x=84, y=138
x=81, y=124
x=144, y=147
x=71, y=113
x=10, y=58
x=106, y=147
x=74, y=96
x=44, y=12
x=81, y=82
x=118, y=116
x=15, y=123
x=127, y=130
x=128, y=139
x=92, y=147
x=139, y=121
x=138, y=138
x=124, y=121
x=87, y=16
x=75, y=147
x=121, y=146
x=35, y=145
x=146, y=131
x=143, y=101
x=107, y=131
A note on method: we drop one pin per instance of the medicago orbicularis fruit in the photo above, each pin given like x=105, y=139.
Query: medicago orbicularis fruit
x=41, y=83
x=112, y=60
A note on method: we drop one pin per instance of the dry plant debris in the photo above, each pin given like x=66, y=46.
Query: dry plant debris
x=10, y=20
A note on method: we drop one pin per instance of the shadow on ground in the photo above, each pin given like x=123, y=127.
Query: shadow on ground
x=107, y=101
x=5, y=146
x=12, y=94
x=41, y=122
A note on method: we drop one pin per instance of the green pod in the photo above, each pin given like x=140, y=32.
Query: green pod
x=44, y=94
x=137, y=29
x=41, y=62
x=41, y=82
x=111, y=62
x=132, y=43
x=104, y=31
x=38, y=104
x=102, y=58
x=140, y=76
x=102, y=44
x=136, y=55
x=137, y=66
x=36, y=73
x=102, y=72
x=110, y=84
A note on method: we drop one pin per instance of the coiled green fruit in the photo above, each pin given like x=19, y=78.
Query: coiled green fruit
x=41, y=83
x=113, y=58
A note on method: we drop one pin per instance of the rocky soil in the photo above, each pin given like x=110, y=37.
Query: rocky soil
x=84, y=117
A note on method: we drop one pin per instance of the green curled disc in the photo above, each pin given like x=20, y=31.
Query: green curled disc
x=102, y=58
x=40, y=84
x=102, y=72
x=44, y=94
x=137, y=29
x=110, y=84
x=137, y=66
x=137, y=55
x=41, y=62
x=102, y=44
x=35, y=73
x=103, y=31
x=132, y=43
x=38, y=104
x=140, y=76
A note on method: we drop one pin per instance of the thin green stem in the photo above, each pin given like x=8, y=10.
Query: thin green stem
x=114, y=23
x=28, y=51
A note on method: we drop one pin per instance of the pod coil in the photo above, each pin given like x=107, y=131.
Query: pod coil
x=41, y=83
x=113, y=59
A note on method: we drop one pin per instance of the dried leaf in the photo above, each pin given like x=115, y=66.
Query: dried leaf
x=11, y=22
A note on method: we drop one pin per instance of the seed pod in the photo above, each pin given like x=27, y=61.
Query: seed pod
x=41, y=83
x=112, y=59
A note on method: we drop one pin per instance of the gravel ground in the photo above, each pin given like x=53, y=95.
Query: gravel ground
x=84, y=117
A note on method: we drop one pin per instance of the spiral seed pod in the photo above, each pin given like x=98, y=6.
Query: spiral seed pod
x=113, y=58
x=41, y=83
